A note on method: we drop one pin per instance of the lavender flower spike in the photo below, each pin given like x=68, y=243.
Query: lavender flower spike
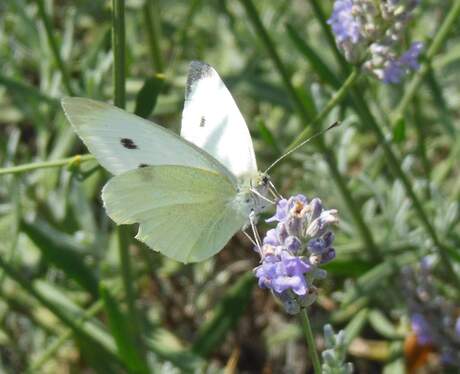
x=292, y=252
x=370, y=34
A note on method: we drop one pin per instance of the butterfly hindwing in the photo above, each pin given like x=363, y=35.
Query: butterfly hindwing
x=185, y=213
x=122, y=141
x=212, y=121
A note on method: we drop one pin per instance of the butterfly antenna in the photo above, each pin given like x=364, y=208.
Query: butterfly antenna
x=335, y=124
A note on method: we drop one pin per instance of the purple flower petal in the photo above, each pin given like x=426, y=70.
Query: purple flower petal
x=398, y=68
x=344, y=25
x=281, y=211
x=293, y=244
x=421, y=328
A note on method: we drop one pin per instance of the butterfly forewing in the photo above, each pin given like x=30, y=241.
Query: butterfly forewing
x=122, y=141
x=212, y=121
x=187, y=214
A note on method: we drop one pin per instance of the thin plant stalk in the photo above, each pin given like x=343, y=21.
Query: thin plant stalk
x=353, y=207
x=118, y=43
x=153, y=28
x=69, y=161
x=310, y=339
x=421, y=143
x=123, y=232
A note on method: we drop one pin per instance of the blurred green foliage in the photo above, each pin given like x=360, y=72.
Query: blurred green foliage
x=70, y=299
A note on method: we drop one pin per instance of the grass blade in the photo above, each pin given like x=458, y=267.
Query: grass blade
x=147, y=96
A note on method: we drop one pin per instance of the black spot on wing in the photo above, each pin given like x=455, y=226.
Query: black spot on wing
x=197, y=70
x=202, y=122
x=128, y=143
x=143, y=165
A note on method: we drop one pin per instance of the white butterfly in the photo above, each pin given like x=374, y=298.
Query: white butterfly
x=189, y=194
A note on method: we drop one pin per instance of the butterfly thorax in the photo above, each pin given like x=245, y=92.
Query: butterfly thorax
x=252, y=196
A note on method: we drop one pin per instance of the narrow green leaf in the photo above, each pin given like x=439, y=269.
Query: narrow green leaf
x=226, y=314
x=395, y=367
x=454, y=254
x=121, y=331
x=147, y=97
x=61, y=251
x=356, y=325
x=348, y=268
x=91, y=353
x=440, y=101
x=399, y=131
x=151, y=12
x=383, y=325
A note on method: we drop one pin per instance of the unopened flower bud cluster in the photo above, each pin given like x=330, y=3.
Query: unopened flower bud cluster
x=370, y=32
x=292, y=252
x=335, y=352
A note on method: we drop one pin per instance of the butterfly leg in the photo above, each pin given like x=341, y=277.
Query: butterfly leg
x=253, y=222
x=274, y=191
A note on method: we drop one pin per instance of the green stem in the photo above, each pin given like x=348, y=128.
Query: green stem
x=421, y=144
x=124, y=232
x=152, y=22
x=435, y=46
x=439, y=101
x=309, y=337
x=124, y=239
x=47, y=164
x=302, y=110
x=119, y=63
x=54, y=46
